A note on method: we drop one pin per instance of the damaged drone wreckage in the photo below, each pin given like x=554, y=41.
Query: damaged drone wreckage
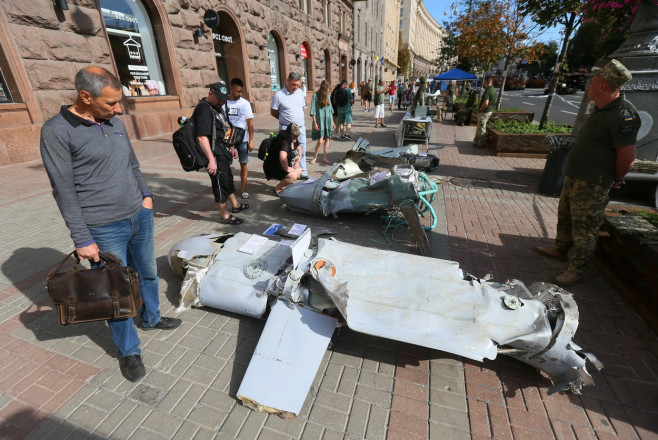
x=311, y=290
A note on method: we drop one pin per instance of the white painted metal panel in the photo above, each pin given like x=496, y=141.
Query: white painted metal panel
x=286, y=359
x=424, y=301
x=226, y=287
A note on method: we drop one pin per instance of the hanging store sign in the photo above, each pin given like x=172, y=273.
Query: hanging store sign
x=303, y=51
x=211, y=19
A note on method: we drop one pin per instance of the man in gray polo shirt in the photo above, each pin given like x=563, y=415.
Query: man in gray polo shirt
x=104, y=200
x=288, y=106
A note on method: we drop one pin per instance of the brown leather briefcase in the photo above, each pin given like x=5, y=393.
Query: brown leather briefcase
x=86, y=295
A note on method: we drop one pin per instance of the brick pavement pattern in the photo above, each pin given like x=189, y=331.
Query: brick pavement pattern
x=63, y=382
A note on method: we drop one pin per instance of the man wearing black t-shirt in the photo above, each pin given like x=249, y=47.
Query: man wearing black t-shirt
x=219, y=155
x=283, y=158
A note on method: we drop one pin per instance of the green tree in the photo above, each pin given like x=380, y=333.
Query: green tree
x=519, y=39
x=593, y=41
x=548, y=58
x=404, y=57
x=547, y=14
x=480, y=35
x=448, y=54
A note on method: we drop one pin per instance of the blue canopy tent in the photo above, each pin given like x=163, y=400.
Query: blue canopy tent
x=456, y=75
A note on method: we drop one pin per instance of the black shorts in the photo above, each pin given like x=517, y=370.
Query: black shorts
x=222, y=182
x=368, y=98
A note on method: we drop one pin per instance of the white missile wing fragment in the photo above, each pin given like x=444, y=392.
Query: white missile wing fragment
x=418, y=300
x=286, y=359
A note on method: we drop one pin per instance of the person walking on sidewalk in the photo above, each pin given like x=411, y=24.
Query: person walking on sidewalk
x=602, y=154
x=487, y=105
x=219, y=155
x=391, y=91
x=104, y=200
x=368, y=95
x=344, y=101
x=323, y=124
x=334, y=107
x=380, y=92
x=402, y=92
x=288, y=106
x=240, y=115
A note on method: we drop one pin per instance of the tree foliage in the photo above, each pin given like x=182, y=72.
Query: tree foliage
x=404, y=57
x=550, y=13
x=593, y=41
x=480, y=37
x=448, y=55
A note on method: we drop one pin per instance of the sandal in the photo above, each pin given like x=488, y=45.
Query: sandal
x=232, y=220
x=244, y=195
x=242, y=207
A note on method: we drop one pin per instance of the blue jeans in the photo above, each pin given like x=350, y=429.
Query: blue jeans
x=131, y=241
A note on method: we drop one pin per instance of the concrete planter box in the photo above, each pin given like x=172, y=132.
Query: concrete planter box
x=627, y=254
x=521, y=116
x=519, y=145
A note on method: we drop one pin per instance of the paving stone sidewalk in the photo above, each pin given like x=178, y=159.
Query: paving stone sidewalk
x=64, y=383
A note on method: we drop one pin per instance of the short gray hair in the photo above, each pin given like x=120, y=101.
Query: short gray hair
x=94, y=79
x=294, y=76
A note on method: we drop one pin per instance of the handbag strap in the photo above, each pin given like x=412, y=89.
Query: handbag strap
x=107, y=258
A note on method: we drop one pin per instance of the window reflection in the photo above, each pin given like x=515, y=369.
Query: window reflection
x=134, y=47
x=5, y=96
x=273, y=55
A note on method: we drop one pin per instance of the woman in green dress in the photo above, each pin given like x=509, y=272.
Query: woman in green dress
x=323, y=124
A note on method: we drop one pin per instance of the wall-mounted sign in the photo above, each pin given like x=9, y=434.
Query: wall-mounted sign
x=222, y=38
x=211, y=18
x=302, y=50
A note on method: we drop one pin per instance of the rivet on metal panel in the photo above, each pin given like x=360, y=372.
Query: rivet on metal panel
x=512, y=302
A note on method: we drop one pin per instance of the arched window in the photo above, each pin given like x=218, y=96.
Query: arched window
x=134, y=47
x=5, y=96
x=305, y=56
x=275, y=66
x=327, y=65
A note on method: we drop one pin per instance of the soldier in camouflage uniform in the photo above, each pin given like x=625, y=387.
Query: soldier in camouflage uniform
x=604, y=151
x=487, y=105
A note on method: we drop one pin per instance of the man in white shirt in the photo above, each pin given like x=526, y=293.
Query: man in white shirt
x=288, y=106
x=240, y=115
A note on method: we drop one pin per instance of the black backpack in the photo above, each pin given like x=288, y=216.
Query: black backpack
x=341, y=97
x=190, y=153
x=264, y=148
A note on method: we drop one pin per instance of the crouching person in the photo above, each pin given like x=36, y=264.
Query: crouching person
x=283, y=158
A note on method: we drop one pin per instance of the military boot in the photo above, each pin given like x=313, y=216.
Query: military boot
x=552, y=252
x=568, y=278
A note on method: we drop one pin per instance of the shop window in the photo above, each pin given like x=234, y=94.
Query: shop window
x=327, y=66
x=5, y=96
x=275, y=67
x=134, y=47
x=305, y=52
x=220, y=55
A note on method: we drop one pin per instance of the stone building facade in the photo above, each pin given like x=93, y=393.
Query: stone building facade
x=368, y=40
x=164, y=53
x=391, y=39
x=424, y=36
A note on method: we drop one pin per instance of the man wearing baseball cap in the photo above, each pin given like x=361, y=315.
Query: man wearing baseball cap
x=602, y=154
x=283, y=158
x=219, y=155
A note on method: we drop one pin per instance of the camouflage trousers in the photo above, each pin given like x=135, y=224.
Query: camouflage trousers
x=481, y=131
x=579, y=216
